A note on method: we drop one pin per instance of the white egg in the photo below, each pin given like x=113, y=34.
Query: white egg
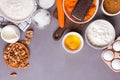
x=108, y=55
x=116, y=64
x=46, y=4
x=116, y=46
x=42, y=18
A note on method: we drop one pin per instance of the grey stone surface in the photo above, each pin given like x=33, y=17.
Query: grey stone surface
x=49, y=61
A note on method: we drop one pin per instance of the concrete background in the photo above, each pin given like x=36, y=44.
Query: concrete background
x=49, y=61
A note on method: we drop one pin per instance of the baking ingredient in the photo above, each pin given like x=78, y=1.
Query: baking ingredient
x=17, y=9
x=108, y=55
x=9, y=34
x=111, y=6
x=60, y=13
x=100, y=33
x=72, y=42
x=46, y=4
x=42, y=18
x=14, y=74
x=116, y=64
x=27, y=41
x=16, y=55
x=116, y=46
x=70, y=4
x=29, y=33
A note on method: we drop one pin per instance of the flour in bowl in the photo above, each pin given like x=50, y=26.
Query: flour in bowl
x=17, y=9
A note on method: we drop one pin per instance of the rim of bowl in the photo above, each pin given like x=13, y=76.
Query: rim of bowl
x=75, y=51
x=17, y=30
x=95, y=47
x=22, y=20
x=106, y=13
x=97, y=6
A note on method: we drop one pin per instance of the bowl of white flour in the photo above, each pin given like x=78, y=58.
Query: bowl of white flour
x=17, y=10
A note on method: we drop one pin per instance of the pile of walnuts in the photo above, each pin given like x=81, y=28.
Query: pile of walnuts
x=16, y=55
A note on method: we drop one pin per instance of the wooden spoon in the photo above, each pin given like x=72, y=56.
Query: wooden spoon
x=68, y=25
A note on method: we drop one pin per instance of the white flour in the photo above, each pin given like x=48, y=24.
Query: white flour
x=17, y=9
x=42, y=18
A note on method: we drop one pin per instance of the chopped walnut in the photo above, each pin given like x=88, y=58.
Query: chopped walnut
x=14, y=74
x=17, y=56
x=27, y=41
x=29, y=33
x=27, y=66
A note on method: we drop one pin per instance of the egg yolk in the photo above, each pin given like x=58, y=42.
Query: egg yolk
x=72, y=42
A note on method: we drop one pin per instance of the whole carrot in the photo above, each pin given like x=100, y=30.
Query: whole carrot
x=60, y=13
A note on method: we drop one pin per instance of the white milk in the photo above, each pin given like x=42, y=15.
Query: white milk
x=10, y=34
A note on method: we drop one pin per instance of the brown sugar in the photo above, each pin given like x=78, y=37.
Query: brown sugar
x=112, y=6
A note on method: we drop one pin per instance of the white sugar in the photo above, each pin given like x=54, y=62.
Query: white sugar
x=42, y=18
x=17, y=9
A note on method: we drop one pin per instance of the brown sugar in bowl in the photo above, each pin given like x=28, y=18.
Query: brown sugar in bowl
x=110, y=7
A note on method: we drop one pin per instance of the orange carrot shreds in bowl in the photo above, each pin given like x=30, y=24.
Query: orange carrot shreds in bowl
x=69, y=5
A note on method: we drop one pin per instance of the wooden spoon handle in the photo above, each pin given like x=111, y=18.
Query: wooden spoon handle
x=58, y=33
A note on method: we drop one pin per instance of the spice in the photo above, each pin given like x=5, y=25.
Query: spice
x=112, y=6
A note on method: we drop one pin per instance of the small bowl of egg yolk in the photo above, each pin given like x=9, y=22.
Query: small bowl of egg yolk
x=72, y=42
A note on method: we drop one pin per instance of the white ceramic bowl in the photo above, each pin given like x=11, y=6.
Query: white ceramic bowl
x=73, y=33
x=106, y=13
x=97, y=6
x=96, y=47
x=16, y=32
x=21, y=20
